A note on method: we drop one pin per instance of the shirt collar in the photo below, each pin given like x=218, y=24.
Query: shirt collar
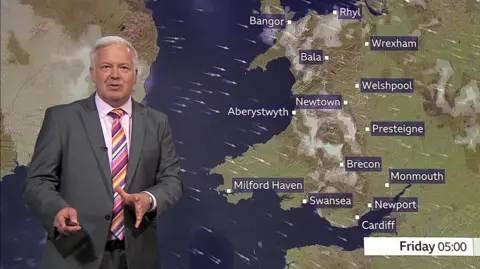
x=103, y=108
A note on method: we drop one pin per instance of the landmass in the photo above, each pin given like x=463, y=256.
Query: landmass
x=8, y=152
x=445, y=70
x=45, y=58
x=326, y=257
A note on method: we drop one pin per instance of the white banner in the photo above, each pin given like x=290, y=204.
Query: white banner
x=418, y=246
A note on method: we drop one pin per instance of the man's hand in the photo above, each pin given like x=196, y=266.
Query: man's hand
x=60, y=222
x=141, y=201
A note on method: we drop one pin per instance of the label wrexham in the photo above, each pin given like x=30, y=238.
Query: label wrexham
x=386, y=85
x=330, y=200
x=265, y=184
x=318, y=101
x=417, y=176
x=268, y=20
x=363, y=164
x=394, y=43
x=403, y=204
x=397, y=128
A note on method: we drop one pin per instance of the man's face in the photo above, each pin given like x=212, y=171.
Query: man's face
x=114, y=74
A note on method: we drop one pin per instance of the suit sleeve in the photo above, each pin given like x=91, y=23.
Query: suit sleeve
x=40, y=190
x=168, y=188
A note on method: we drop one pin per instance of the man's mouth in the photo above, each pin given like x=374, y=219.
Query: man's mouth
x=115, y=86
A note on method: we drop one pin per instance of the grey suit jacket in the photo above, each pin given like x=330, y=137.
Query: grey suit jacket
x=70, y=167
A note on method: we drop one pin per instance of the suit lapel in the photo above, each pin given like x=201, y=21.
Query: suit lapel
x=136, y=140
x=94, y=132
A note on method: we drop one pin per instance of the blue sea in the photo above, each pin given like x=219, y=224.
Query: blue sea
x=204, y=231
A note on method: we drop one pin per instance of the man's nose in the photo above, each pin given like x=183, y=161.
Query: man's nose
x=114, y=74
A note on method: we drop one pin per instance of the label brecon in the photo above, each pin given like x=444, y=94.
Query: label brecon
x=268, y=20
x=394, y=43
x=397, y=128
x=363, y=164
x=403, y=204
x=386, y=85
x=259, y=112
x=265, y=184
x=331, y=200
x=417, y=176
x=310, y=56
x=349, y=13
x=318, y=101
x=386, y=225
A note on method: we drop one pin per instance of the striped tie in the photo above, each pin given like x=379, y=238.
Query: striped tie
x=119, y=171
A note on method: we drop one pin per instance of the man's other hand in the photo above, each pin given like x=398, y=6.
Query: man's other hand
x=141, y=201
x=60, y=222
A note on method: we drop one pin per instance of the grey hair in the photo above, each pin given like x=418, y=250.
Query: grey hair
x=112, y=40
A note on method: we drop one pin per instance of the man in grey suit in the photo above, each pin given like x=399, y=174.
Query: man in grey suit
x=103, y=171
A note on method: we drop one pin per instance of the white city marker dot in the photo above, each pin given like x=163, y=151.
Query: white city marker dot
x=335, y=12
x=387, y=185
x=357, y=217
x=289, y=21
x=294, y=112
x=304, y=201
x=326, y=58
x=367, y=129
x=369, y=205
x=345, y=102
x=367, y=44
x=357, y=85
x=342, y=165
x=229, y=190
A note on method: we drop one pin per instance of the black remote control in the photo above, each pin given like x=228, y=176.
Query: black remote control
x=71, y=223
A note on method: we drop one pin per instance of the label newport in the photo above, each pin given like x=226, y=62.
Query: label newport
x=403, y=204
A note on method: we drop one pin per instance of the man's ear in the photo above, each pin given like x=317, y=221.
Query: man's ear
x=135, y=76
x=92, y=74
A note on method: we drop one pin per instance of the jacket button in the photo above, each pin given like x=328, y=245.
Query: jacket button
x=107, y=217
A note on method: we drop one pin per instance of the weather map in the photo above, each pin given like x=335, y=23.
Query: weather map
x=308, y=130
